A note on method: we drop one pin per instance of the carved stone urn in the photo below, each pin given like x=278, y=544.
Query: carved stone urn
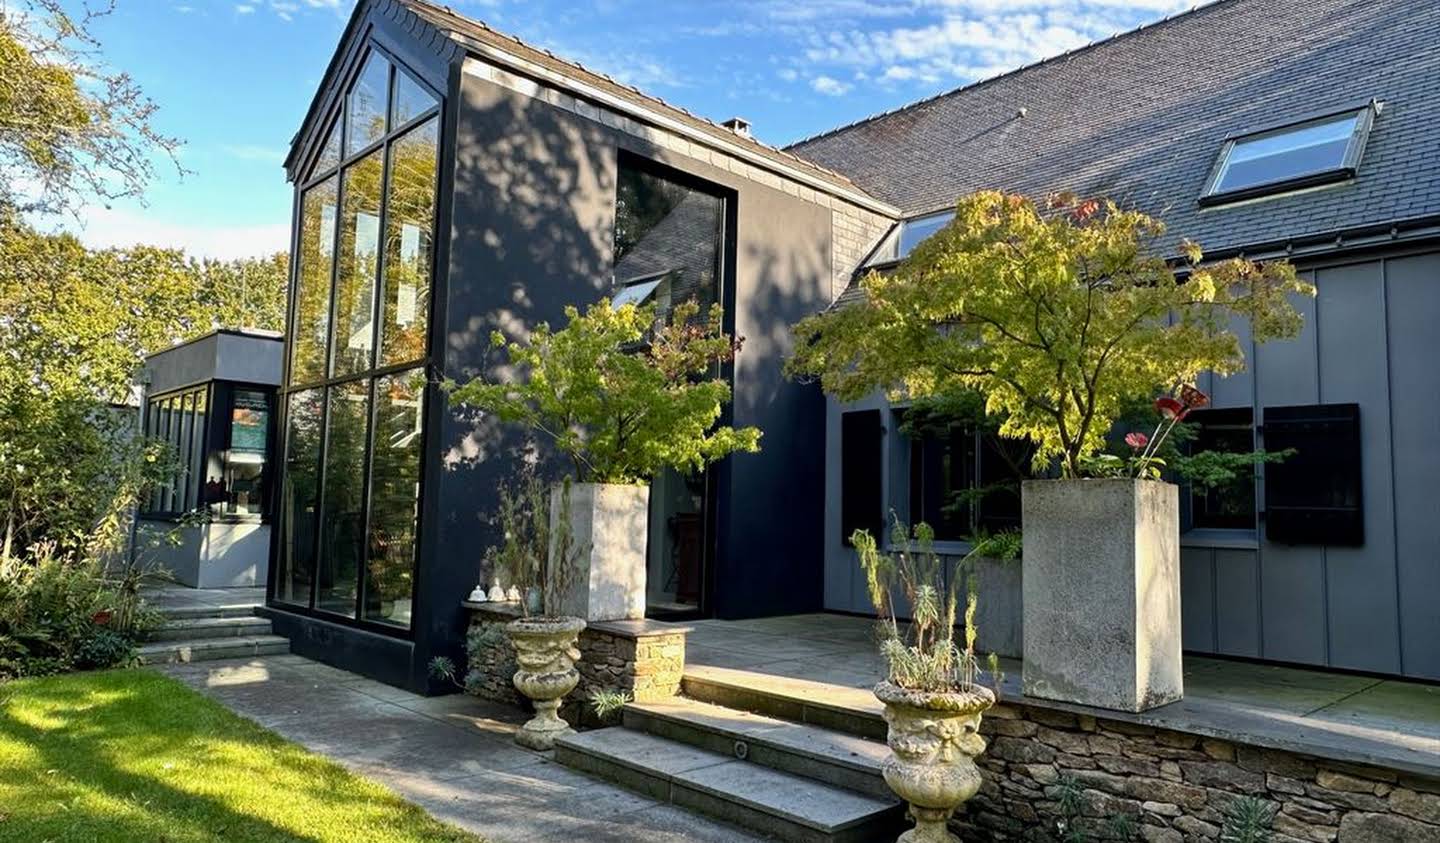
x=545, y=654
x=934, y=738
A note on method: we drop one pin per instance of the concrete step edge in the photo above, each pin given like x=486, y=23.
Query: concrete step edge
x=209, y=649
x=588, y=753
x=237, y=610
x=835, y=707
x=813, y=752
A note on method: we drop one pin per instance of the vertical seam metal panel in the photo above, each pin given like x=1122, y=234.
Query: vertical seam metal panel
x=1319, y=399
x=1390, y=436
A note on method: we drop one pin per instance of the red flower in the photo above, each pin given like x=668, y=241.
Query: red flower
x=1169, y=407
x=1137, y=440
x=1193, y=398
x=102, y=617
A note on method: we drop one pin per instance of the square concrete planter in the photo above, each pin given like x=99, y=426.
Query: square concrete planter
x=608, y=524
x=1102, y=592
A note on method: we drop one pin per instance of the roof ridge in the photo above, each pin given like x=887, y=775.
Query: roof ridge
x=779, y=150
x=969, y=86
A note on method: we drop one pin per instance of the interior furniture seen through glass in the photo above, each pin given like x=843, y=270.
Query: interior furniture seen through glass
x=668, y=236
x=355, y=390
x=218, y=435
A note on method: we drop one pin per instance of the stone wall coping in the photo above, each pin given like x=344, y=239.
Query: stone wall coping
x=635, y=630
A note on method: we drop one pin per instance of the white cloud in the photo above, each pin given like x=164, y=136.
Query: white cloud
x=244, y=9
x=829, y=86
x=103, y=228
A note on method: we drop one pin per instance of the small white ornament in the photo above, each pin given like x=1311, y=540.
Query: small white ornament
x=513, y=595
x=497, y=594
x=477, y=594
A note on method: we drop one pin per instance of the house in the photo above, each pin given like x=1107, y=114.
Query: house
x=452, y=181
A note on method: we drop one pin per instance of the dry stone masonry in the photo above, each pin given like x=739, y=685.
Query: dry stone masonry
x=1175, y=787
x=643, y=658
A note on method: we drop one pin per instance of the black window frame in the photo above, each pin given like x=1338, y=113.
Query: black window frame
x=1294, y=515
x=1221, y=418
x=1350, y=164
x=978, y=444
x=862, y=474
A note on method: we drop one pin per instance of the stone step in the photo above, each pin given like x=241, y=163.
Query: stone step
x=225, y=610
x=839, y=708
x=835, y=758
x=210, y=649
x=195, y=628
x=758, y=798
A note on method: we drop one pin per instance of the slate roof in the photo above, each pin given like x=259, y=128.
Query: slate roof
x=1141, y=118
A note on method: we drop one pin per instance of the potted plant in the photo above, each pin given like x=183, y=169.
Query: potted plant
x=1061, y=314
x=622, y=395
x=543, y=636
x=933, y=703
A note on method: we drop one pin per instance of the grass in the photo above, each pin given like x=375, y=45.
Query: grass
x=131, y=755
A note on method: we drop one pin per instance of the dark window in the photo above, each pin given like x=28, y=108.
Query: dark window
x=235, y=476
x=862, y=502
x=1230, y=506
x=964, y=480
x=1290, y=156
x=219, y=436
x=342, y=520
x=1314, y=496
x=178, y=421
x=667, y=240
x=300, y=497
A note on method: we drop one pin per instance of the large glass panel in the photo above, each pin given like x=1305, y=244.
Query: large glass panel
x=342, y=531
x=914, y=232
x=409, y=235
x=359, y=258
x=173, y=431
x=330, y=152
x=394, y=496
x=1286, y=154
x=674, y=569
x=185, y=449
x=942, y=471
x=299, y=497
x=312, y=293
x=411, y=100
x=197, y=452
x=245, y=459
x=667, y=241
x=365, y=106
x=1229, y=505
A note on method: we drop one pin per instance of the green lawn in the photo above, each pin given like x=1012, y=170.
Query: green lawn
x=131, y=755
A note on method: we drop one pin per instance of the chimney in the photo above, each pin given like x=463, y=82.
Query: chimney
x=738, y=125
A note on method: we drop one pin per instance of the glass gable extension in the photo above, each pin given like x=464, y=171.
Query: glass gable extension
x=218, y=436
x=354, y=395
x=1299, y=155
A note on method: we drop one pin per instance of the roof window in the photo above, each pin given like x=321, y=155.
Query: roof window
x=1315, y=151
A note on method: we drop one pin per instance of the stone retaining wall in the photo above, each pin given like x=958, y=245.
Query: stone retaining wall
x=645, y=659
x=1175, y=787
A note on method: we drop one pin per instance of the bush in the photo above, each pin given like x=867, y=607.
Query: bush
x=61, y=612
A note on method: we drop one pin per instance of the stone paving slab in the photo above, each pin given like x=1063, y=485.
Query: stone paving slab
x=452, y=755
x=1345, y=717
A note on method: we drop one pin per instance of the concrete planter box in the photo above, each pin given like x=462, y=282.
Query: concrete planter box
x=608, y=524
x=998, y=614
x=219, y=554
x=1102, y=592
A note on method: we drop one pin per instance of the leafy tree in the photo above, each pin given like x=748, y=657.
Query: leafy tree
x=70, y=129
x=1057, y=315
x=620, y=401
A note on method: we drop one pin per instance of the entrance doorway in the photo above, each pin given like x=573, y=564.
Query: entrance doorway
x=678, y=545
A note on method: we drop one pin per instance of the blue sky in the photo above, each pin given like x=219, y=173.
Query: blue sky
x=233, y=77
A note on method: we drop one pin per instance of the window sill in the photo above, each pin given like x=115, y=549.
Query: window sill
x=1277, y=188
x=1217, y=539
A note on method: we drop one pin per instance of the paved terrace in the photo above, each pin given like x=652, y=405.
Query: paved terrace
x=831, y=661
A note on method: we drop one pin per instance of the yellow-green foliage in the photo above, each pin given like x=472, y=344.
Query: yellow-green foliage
x=618, y=395
x=1058, y=316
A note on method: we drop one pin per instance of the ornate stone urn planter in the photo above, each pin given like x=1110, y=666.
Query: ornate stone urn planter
x=934, y=738
x=545, y=655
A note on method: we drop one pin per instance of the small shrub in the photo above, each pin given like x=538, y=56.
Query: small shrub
x=104, y=648
x=607, y=704
x=1248, y=820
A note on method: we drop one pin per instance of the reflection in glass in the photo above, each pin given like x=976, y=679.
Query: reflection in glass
x=359, y=252
x=409, y=228
x=366, y=104
x=667, y=241
x=330, y=152
x=312, y=292
x=394, y=496
x=677, y=541
x=299, y=498
x=196, y=459
x=343, y=511
x=411, y=100
x=242, y=481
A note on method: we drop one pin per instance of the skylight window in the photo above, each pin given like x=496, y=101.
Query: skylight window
x=1289, y=157
x=907, y=235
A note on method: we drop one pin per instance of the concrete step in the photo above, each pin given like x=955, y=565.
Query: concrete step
x=224, y=610
x=759, y=798
x=835, y=758
x=195, y=628
x=210, y=649
x=839, y=708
